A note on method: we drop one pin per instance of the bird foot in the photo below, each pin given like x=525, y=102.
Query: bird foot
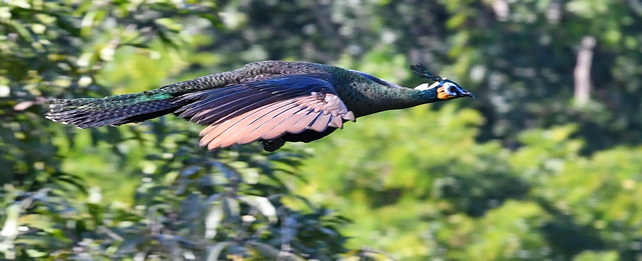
x=272, y=145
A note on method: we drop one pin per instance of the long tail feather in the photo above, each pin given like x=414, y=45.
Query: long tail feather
x=112, y=110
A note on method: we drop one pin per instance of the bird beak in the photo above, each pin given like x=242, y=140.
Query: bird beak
x=468, y=94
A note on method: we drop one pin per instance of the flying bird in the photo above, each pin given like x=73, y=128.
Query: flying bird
x=268, y=101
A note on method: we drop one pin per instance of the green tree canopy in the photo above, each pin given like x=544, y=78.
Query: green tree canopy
x=544, y=165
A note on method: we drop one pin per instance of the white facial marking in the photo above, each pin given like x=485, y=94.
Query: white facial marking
x=452, y=88
x=425, y=86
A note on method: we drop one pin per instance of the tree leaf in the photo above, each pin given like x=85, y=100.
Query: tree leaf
x=214, y=252
x=213, y=219
x=263, y=205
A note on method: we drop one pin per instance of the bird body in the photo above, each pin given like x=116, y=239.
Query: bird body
x=271, y=101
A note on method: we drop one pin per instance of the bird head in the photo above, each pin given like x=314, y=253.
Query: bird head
x=445, y=89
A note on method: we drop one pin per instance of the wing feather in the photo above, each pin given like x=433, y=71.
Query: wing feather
x=336, y=121
x=321, y=122
x=208, y=99
x=240, y=130
x=243, y=120
x=258, y=130
x=234, y=108
x=276, y=128
x=292, y=123
x=265, y=109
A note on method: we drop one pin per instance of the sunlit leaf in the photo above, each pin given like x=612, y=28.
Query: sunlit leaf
x=214, y=252
x=213, y=219
x=263, y=205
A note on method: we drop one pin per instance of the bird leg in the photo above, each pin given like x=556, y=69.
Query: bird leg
x=272, y=145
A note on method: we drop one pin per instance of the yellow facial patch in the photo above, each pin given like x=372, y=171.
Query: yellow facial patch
x=442, y=95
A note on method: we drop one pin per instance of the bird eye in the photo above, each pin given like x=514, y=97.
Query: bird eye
x=451, y=89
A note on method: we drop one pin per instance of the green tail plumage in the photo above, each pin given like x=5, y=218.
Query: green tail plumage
x=112, y=110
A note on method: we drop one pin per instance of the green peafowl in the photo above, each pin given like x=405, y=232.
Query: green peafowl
x=270, y=101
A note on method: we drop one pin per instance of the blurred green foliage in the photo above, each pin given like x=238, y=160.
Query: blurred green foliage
x=522, y=172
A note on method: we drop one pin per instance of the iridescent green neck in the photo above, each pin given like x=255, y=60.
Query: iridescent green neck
x=427, y=96
x=389, y=98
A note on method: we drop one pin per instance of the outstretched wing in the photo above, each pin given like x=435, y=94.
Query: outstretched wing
x=265, y=110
